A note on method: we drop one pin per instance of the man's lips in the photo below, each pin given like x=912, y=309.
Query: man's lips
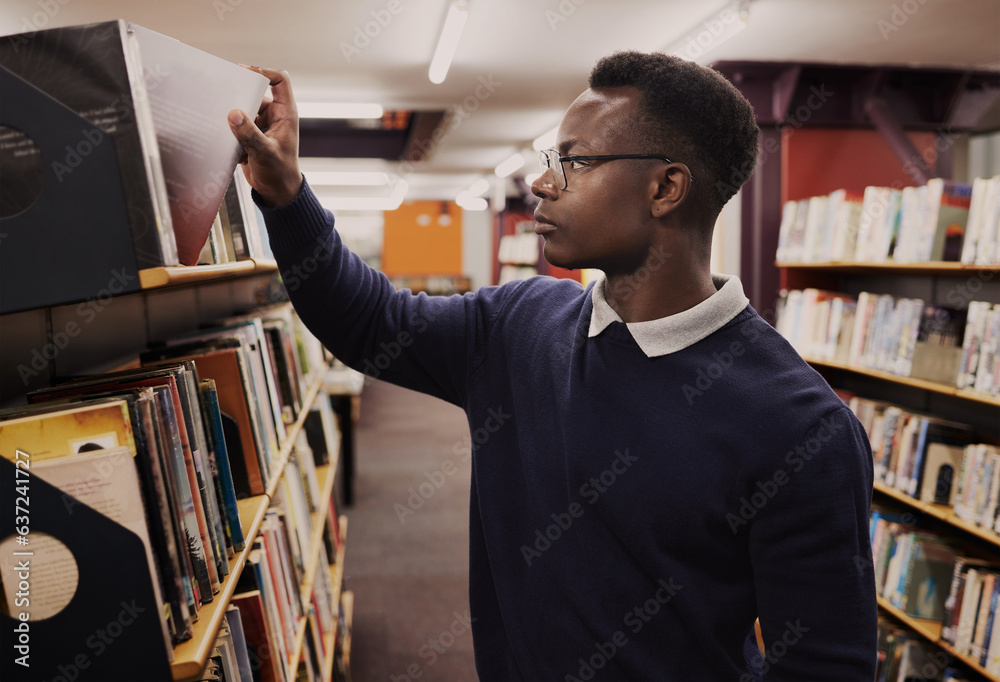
x=543, y=225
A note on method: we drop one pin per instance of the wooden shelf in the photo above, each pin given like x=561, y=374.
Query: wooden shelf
x=940, y=512
x=154, y=278
x=190, y=656
x=931, y=631
x=940, y=268
x=922, y=384
x=326, y=475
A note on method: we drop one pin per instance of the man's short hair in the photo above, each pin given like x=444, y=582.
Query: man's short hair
x=691, y=114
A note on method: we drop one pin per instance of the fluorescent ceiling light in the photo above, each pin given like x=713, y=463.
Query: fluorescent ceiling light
x=531, y=177
x=478, y=188
x=389, y=203
x=470, y=203
x=329, y=178
x=546, y=140
x=334, y=110
x=514, y=163
x=451, y=34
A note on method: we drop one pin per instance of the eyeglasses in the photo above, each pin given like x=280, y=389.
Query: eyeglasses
x=550, y=158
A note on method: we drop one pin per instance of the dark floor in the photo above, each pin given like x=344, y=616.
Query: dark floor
x=410, y=579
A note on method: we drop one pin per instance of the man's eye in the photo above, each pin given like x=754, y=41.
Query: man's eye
x=577, y=165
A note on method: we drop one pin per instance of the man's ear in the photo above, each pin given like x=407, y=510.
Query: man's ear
x=672, y=184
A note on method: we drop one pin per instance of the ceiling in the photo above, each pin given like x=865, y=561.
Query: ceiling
x=520, y=63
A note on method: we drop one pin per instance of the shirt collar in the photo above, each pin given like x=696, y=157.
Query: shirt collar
x=674, y=332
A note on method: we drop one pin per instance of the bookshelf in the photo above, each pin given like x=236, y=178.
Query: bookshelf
x=931, y=631
x=824, y=127
x=171, y=300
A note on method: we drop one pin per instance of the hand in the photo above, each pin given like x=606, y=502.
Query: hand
x=270, y=156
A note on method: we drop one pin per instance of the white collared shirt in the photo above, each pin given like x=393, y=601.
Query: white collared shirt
x=674, y=332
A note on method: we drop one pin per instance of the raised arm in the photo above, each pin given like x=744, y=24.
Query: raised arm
x=421, y=342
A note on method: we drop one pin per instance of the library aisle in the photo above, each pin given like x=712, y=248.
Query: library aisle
x=409, y=571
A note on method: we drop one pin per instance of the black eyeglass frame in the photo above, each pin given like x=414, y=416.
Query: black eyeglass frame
x=544, y=154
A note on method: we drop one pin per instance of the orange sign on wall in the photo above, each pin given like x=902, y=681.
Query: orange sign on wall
x=423, y=238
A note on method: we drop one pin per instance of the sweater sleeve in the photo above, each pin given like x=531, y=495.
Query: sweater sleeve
x=812, y=560
x=417, y=341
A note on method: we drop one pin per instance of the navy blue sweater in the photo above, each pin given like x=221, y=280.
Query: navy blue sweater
x=630, y=515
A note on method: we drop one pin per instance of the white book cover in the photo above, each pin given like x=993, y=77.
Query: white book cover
x=191, y=93
x=975, y=223
x=989, y=346
x=784, y=231
x=988, y=233
x=815, y=221
x=910, y=220
x=932, y=206
x=152, y=159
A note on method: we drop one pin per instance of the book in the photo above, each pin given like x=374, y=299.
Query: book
x=239, y=643
x=928, y=580
x=164, y=105
x=227, y=367
x=190, y=94
x=185, y=424
x=947, y=213
x=96, y=71
x=220, y=456
x=263, y=655
x=107, y=481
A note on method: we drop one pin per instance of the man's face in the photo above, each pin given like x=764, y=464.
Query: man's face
x=602, y=218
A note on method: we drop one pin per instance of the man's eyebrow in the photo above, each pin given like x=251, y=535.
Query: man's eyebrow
x=566, y=145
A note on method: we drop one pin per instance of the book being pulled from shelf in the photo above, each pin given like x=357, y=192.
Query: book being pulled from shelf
x=162, y=103
x=943, y=220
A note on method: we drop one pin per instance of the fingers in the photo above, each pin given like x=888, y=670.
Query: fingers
x=245, y=131
x=281, y=86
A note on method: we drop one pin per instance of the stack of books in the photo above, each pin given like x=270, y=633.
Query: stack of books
x=943, y=220
x=903, y=336
x=175, y=441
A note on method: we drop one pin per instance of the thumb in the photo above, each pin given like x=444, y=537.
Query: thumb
x=245, y=131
